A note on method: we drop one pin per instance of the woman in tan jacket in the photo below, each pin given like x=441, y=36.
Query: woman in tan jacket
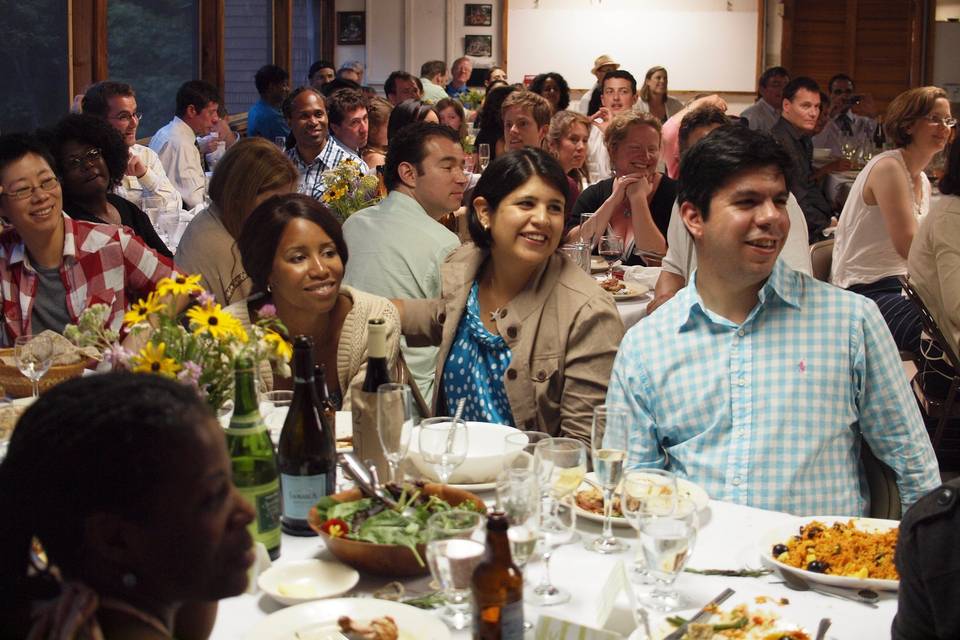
x=526, y=337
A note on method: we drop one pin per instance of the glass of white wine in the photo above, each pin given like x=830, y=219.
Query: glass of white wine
x=34, y=356
x=483, y=155
x=667, y=541
x=560, y=465
x=608, y=448
x=443, y=444
x=454, y=549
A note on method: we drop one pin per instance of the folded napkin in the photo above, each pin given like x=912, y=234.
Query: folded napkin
x=64, y=351
x=644, y=277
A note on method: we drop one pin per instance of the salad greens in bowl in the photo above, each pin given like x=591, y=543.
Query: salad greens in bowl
x=369, y=536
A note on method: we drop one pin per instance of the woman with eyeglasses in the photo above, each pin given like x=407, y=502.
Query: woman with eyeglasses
x=885, y=205
x=52, y=267
x=91, y=159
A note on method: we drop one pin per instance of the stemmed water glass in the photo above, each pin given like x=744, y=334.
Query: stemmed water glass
x=561, y=532
x=518, y=448
x=518, y=497
x=611, y=248
x=645, y=493
x=667, y=541
x=394, y=423
x=34, y=356
x=483, y=155
x=608, y=448
x=443, y=444
x=454, y=548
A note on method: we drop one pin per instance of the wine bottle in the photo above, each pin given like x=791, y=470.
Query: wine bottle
x=878, y=138
x=497, y=587
x=366, y=441
x=307, y=452
x=253, y=459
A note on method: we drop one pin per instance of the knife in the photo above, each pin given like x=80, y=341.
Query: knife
x=703, y=614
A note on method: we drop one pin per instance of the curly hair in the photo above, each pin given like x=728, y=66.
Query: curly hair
x=89, y=130
x=619, y=127
x=537, y=87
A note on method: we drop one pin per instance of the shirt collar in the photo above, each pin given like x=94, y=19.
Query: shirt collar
x=340, y=144
x=19, y=251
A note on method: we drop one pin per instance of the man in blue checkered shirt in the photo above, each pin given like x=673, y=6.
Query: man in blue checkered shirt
x=756, y=381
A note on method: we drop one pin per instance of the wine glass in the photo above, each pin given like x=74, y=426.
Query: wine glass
x=586, y=236
x=34, y=355
x=443, y=444
x=667, y=541
x=608, y=448
x=644, y=493
x=454, y=549
x=518, y=496
x=394, y=423
x=152, y=206
x=483, y=154
x=518, y=448
x=562, y=532
x=611, y=248
x=274, y=406
x=560, y=465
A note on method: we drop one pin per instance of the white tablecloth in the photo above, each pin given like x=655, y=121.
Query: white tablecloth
x=727, y=540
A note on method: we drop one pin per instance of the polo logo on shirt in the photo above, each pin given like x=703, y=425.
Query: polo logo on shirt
x=802, y=366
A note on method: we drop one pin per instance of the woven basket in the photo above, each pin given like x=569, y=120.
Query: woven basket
x=18, y=385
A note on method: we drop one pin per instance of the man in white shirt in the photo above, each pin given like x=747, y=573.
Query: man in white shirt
x=116, y=102
x=764, y=113
x=850, y=116
x=176, y=143
x=618, y=95
x=347, y=112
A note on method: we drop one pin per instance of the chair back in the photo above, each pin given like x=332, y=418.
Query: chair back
x=882, y=481
x=821, y=259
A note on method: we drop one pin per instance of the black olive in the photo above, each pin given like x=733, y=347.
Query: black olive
x=778, y=549
x=813, y=532
x=818, y=566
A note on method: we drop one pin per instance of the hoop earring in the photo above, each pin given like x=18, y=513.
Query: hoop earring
x=269, y=288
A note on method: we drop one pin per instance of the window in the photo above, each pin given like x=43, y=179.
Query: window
x=34, y=41
x=247, y=43
x=306, y=40
x=152, y=45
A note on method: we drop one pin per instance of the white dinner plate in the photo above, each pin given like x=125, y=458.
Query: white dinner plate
x=599, y=265
x=630, y=293
x=786, y=530
x=687, y=489
x=317, y=620
x=300, y=581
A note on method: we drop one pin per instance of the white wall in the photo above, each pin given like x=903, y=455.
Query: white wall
x=947, y=9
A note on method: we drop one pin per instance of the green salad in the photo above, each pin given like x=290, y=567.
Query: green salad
x=370, y=520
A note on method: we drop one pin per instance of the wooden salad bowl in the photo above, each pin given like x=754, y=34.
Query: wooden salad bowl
x=386, y=559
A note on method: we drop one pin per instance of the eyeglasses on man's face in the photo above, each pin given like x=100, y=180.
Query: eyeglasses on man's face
x=47, y=184
x=75, y=162
x=126, y=117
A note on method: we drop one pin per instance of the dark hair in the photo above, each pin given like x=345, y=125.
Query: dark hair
x=261, y=233
x=267, y=75
x=431, y=68
x=95, y=100
x=450, y=103
x=950, y=182
x=329, y=88
x=196, y=93
x=342, y=103
x=91, y=130
x=317, y=66
x=122, y=428
x=773, y=72
x=837, y=78
x=491, y=116
x=390, y=86
x=619, y=73
x=14, y=146
x=406, y=112
x=800, y=82
x=287, y=107
x=409, y=144
x=537, y=87
x=701, y=117
x=505, y=175
x=732, y=149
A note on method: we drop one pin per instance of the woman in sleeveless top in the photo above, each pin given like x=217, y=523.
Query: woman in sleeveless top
x=882, y=212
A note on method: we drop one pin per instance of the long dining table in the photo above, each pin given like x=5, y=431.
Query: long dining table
x=728, y=539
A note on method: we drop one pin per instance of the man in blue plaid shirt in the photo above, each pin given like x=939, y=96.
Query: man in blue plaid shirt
x=756, y=381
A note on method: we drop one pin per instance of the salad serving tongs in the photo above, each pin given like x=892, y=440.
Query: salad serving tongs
x=365, y=475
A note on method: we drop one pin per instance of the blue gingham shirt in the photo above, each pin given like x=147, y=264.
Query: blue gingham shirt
x=311, y=173
x=768, y=413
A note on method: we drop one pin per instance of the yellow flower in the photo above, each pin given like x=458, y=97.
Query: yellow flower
x=212, y=319
x=280, y=347
x=327, y=195
x=152, y=359
x=141, y=310
x=179, y=285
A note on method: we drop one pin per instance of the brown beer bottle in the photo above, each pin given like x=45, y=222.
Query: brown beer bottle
x=497, y=587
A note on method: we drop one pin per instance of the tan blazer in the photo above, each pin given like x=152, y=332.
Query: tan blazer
x=563, y=332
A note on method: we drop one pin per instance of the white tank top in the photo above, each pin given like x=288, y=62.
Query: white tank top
x=863, y=252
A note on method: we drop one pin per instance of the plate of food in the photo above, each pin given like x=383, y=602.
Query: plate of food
x=619, y=290
x=589, y=500
x=854, y=553
x=351, y=618
x=739, y=622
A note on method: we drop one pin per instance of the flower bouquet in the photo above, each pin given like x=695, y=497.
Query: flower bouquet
x=348, y=190
x=472, y=99
x=197, y=346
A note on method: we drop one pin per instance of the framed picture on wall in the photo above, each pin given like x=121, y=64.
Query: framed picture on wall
x=478, y=46
x=351, y=27
x=478, y=15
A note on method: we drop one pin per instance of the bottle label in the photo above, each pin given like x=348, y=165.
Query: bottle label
x=265, y=499
x=300, y=493
x=508, y=619
x=246, y=424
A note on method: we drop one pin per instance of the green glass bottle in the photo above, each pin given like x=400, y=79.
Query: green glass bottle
x=253, y=459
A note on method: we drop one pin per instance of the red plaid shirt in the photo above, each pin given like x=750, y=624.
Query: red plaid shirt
x=101, y=264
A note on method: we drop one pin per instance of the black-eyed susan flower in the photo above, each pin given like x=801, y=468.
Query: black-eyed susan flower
x=280, y=347
x=179, y=285
x=152, y=359
x=215, y=321
x=141, y=310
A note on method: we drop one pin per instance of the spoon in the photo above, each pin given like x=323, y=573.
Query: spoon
x=822, y=629
x=867, y=597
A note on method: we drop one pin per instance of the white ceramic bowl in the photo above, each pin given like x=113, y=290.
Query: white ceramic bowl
x=306, y=580
x=485, y=454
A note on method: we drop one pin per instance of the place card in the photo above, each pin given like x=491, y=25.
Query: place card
x=550, y=628
x=616, y=582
